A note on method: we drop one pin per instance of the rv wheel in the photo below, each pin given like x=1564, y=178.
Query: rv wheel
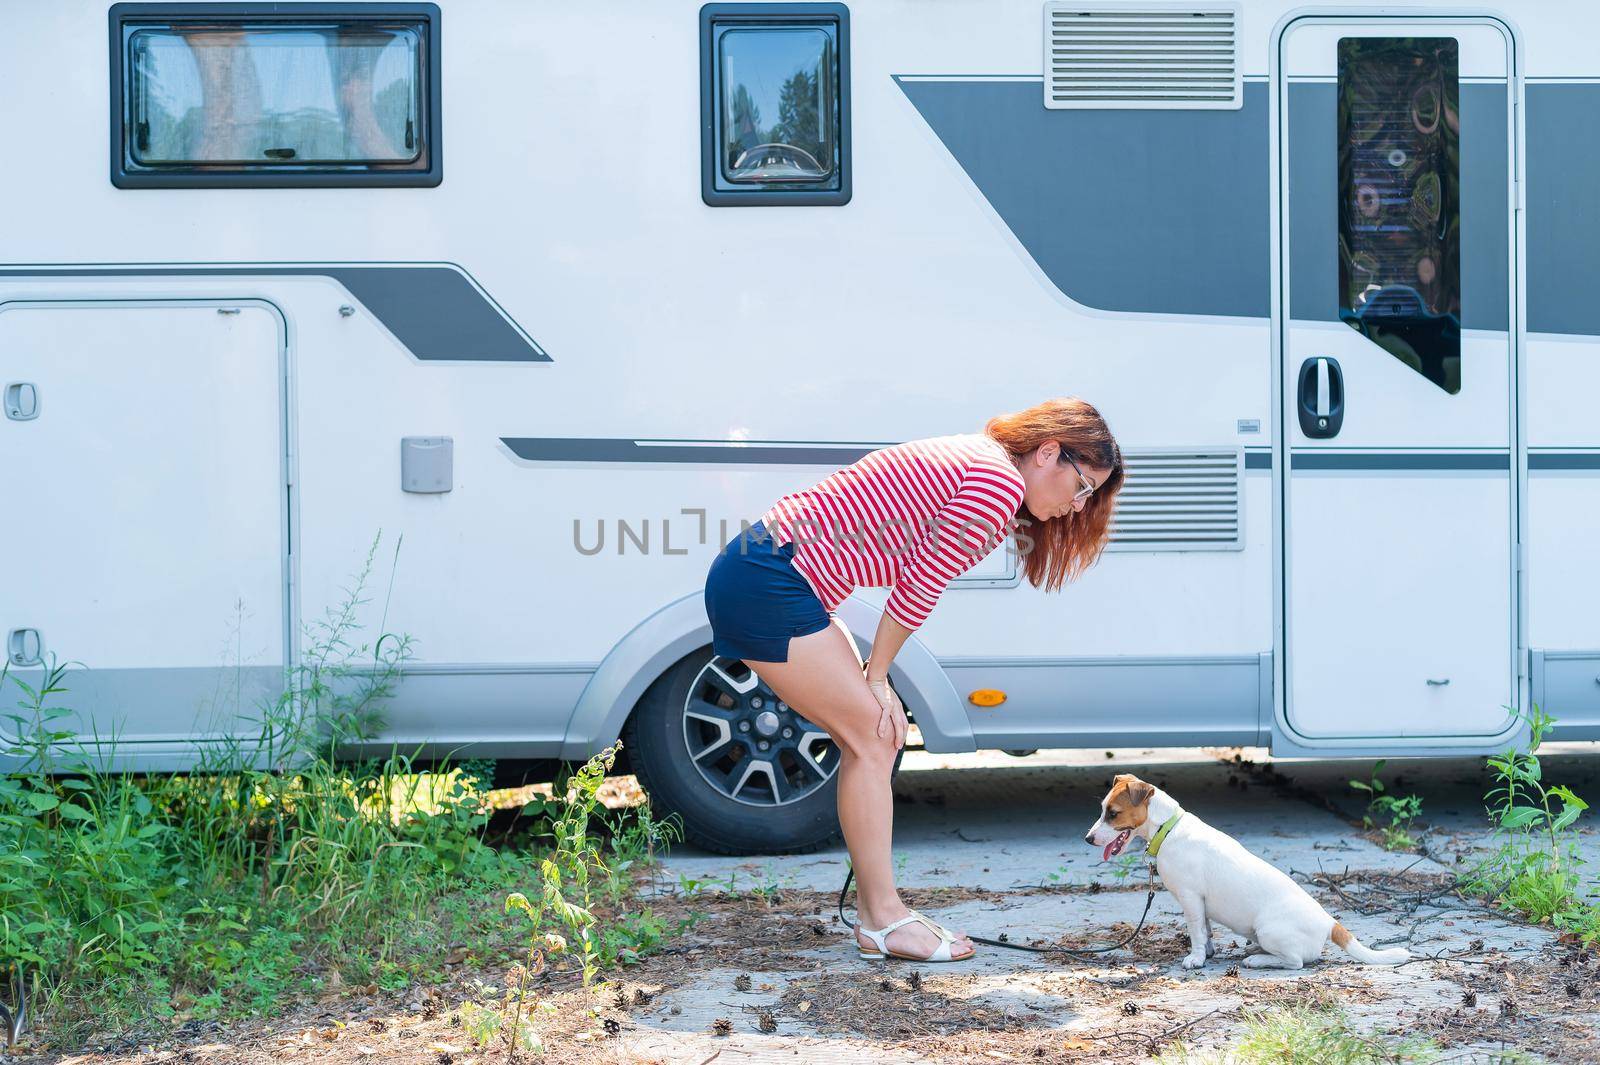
x=744, y=772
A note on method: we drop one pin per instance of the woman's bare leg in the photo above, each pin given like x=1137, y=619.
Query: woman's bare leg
x=822, y=680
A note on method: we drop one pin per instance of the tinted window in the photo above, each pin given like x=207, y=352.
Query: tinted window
x=288, y=95
x=1400, y=200
x=778, y=105
x=274, y=95
x=775, y=108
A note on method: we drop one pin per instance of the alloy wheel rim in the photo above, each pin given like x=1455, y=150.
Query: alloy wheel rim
x=749, y=745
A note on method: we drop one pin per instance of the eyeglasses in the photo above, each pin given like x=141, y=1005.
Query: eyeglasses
x=1088, y=486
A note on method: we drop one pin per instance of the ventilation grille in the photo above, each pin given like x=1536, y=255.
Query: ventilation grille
x=1151, y=55
x=1179, y=501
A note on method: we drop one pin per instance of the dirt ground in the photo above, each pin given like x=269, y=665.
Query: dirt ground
x=990, y=843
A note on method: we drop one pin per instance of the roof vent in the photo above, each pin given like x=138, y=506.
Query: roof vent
x=1179, y=501
x=1148, y=55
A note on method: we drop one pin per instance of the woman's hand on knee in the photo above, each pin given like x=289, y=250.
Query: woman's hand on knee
x=892, y=713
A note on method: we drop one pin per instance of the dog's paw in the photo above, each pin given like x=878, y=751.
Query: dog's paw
x=1194, y=961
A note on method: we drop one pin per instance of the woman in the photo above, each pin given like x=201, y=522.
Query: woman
x=911, y=518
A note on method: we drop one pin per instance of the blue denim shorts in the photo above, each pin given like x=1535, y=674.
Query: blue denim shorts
x=757, y=601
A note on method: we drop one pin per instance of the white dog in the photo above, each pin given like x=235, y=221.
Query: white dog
x=1214, y=878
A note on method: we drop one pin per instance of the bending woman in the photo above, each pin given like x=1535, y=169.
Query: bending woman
x=911, y=517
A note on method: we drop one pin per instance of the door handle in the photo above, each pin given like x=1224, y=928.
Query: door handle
x=25, y=647
x=1320, y=397
x=22, y=401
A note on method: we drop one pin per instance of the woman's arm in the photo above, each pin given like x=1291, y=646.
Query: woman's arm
x=886, y=643
x=968, y=527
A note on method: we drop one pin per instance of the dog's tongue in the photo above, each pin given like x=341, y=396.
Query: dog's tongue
x=1114, y=848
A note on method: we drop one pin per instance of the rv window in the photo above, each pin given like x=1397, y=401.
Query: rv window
x=775, y=104
x=248, y=95
x=1400, y=200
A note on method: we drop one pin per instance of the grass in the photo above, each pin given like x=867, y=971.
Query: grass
x=275, y=869
x=1305, y=1035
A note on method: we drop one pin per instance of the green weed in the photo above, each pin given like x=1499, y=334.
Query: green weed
x=689, y=886
x=1388, y=814
x=1305, y=1035
x=1125, y=865
x=1535, y=868
x=770, y=891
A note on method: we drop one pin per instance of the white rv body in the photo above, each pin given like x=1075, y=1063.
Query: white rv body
x=224, y=376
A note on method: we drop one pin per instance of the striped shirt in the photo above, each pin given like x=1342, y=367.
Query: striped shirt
x=911, y=517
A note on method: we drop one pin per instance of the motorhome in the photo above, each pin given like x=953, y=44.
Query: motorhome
x=558, y=294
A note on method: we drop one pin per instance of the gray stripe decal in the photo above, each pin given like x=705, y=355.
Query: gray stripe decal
x=760, y=453
x=1155, y=211
x=1563, y=216
x=819, y=453
x=1399, y=460
x=438, y=312
x=1167, y=211
x=1571, y=460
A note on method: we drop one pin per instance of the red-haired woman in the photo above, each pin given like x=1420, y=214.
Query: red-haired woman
x=911, y=518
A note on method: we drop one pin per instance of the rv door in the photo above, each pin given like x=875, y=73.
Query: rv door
x=146, y=515
x=1397, y=452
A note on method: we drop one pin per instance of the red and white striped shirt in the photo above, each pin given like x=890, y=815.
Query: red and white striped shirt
x=911, y=517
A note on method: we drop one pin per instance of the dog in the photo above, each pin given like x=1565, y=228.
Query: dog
x=1214, y=878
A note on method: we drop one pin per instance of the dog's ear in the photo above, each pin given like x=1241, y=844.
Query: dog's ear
x=1139, y=792
x=1122, y=778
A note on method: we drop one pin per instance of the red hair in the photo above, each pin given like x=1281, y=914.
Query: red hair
x=1058, y=550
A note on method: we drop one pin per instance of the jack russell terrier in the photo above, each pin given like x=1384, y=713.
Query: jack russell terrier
x=1214, y=878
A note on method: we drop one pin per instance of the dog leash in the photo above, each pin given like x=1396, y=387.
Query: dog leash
x=1081, y=953
x=14, y=1018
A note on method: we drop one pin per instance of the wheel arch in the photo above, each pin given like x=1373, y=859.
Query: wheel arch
x=660, y=640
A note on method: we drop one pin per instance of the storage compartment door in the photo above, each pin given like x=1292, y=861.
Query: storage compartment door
x=146, y=507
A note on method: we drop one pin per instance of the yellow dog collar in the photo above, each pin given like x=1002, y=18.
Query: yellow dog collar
x=1161, y=834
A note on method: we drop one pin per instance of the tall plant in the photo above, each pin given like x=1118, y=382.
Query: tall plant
x=575, y=858
x=1535, y=866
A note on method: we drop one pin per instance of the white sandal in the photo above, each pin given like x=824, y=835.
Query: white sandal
x=880, y=937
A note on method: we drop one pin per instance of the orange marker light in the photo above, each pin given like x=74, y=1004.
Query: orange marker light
x=986, y=697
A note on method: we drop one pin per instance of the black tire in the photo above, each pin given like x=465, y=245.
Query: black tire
x=711, y=817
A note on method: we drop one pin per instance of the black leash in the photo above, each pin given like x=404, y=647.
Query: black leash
x=14, y=1019
x=1082, y=953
